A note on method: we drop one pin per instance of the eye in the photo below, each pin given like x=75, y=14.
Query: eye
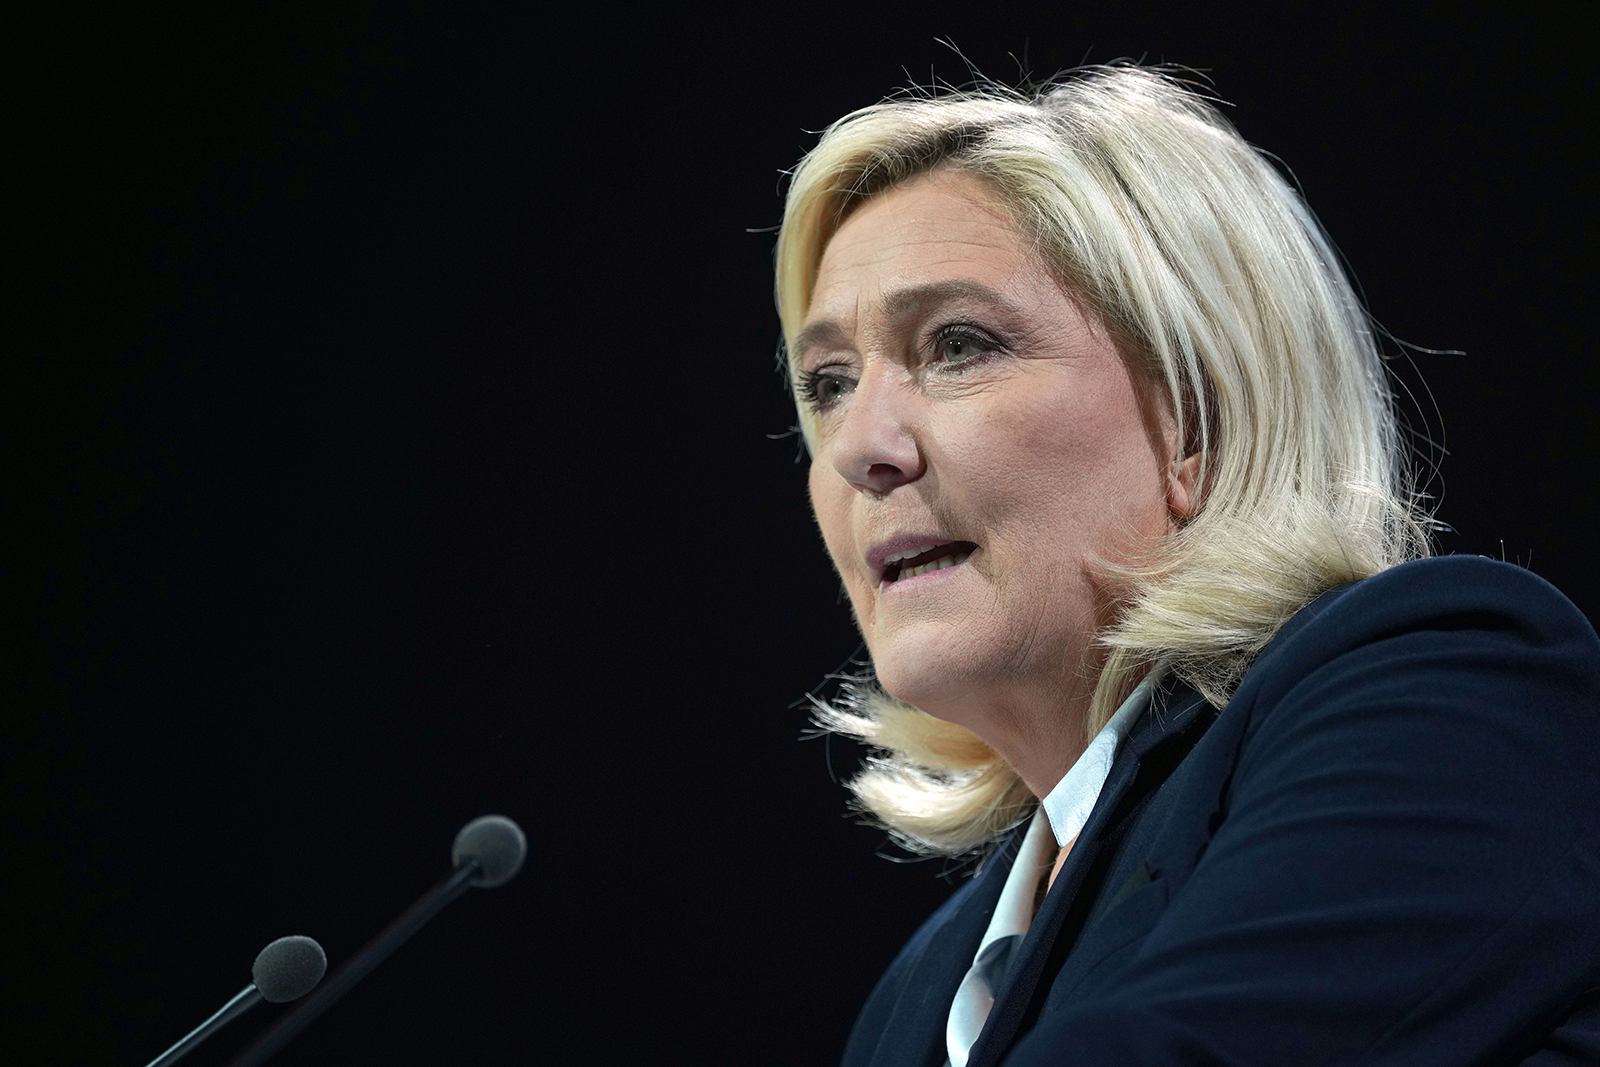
x=959, y=345
x=822, y=388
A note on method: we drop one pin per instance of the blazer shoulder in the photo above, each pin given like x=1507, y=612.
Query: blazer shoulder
x=1364, y=849
x=1441, y=594
x=1499, y=647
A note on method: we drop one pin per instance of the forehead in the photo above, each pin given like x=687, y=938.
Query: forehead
x=942, y=245
x=944, y=226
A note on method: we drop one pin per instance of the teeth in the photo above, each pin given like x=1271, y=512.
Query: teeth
x=933, y=565
x=907, y=554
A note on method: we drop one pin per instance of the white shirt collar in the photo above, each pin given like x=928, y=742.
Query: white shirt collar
x=1063, y=812
x=1070, y=802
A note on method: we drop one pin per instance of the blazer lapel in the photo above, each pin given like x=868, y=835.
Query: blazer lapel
x=1066, y=906
x=912, y=1030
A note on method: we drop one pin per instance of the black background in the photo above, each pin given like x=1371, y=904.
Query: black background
x=390, y=414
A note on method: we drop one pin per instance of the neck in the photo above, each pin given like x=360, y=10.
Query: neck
x=1039, y=731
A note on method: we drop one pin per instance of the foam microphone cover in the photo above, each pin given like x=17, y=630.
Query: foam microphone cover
x=289, y=968
x=496, y=843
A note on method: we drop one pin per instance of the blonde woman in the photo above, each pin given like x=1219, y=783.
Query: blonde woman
x=1103, y=451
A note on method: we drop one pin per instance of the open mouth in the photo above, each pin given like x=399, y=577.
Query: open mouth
x=937, y=558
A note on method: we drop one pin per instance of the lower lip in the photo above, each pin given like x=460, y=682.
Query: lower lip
x=925, y=581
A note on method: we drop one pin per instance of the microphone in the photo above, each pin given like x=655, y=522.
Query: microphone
x=496, y=844
x=487, y=852
x=285, y=970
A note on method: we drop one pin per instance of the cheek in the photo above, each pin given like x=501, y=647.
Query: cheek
x=831, y=503
x=1073, y=475
x=831, y=507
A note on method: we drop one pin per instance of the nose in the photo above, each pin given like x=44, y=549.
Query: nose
x=876, y=448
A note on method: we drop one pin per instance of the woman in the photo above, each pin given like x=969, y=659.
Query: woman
x=1103, y=451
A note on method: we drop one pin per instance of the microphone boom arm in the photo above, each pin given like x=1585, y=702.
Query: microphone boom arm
x=373, y=953
x=247, y=998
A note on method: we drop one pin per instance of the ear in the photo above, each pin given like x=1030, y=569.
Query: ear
x=1185, y=494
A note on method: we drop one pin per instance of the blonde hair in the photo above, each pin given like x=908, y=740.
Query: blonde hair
x=1220, y=288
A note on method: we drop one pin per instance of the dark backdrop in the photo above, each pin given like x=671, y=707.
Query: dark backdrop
x=390, y=419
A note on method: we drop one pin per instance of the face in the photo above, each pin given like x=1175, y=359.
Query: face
x=979, y=445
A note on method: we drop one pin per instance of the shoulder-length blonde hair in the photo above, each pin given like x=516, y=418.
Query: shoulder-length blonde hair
x=1220, y=289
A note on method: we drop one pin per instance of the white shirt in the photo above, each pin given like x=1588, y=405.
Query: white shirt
x=1063, y=812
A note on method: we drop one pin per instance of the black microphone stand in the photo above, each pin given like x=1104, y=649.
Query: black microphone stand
x=375, y=952
x=247, y=998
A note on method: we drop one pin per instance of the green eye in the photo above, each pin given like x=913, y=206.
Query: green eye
x=962, y=344
x=821, y=389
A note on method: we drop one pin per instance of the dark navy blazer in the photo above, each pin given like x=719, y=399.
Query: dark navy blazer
x=1384, y=850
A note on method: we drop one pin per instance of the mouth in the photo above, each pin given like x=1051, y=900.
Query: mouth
x=902, y=565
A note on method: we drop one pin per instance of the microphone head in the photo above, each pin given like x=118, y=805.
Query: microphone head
x=496, y=843
x=289, y=968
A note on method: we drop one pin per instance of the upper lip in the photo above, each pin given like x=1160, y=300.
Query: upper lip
x=904, y=547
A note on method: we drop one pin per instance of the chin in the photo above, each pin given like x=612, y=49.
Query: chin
x=932, y=677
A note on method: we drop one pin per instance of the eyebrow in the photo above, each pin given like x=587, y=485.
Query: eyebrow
x=901, y=305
